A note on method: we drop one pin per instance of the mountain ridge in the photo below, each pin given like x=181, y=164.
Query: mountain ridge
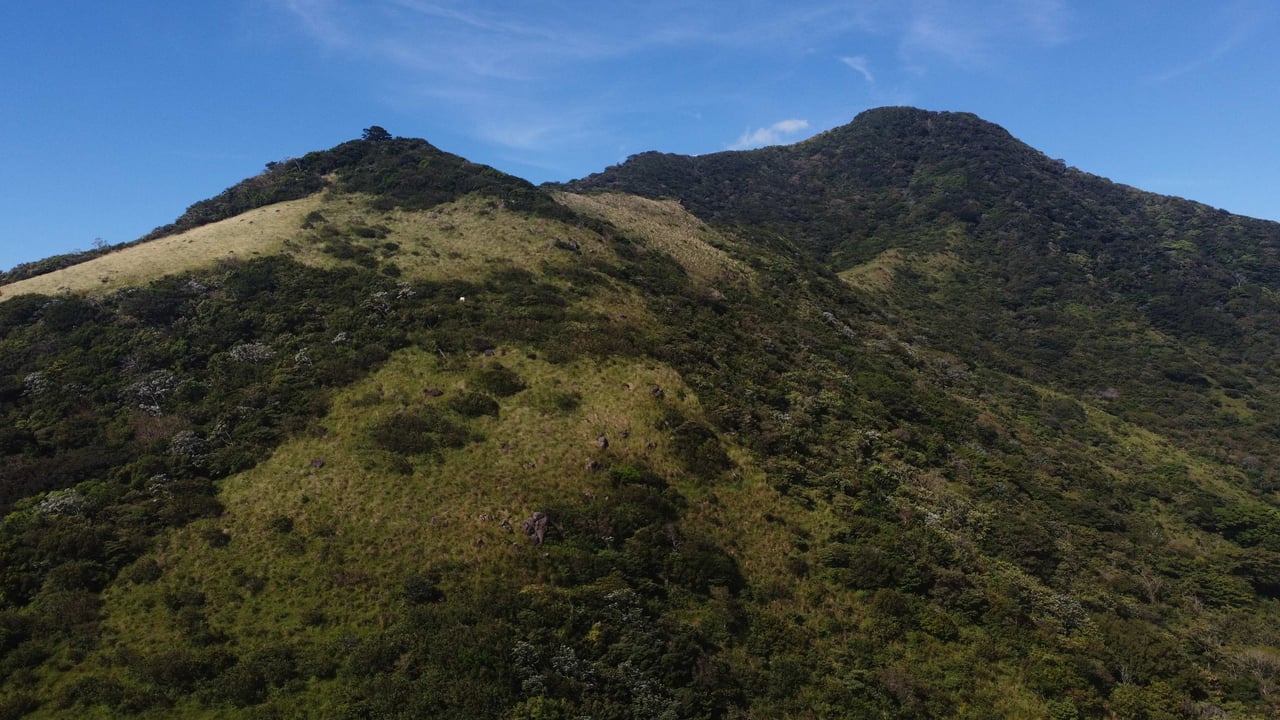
x=844, y=428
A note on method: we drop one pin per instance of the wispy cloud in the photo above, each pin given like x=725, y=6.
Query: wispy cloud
x=776, y=133
x=973, y=34
x=859, y=63
x=519, y=72
x=1238, y=23
x=317, y=18
x=544, y=77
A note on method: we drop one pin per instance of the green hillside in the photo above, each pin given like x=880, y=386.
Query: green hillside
x=905, y=420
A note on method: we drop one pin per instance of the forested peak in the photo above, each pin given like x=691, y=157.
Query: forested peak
x=910, y=134
x=904, y=420
x=879, y=148
x=398, y=171
x=904, y=121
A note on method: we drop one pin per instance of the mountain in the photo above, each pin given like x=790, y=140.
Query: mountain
x=905, y=420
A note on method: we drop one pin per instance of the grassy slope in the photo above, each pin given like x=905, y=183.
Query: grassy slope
x=457, y=240
x=666, y=226
x=359, y=524
x=257, y=232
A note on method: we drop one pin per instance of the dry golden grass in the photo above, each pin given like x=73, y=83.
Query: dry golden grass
x=258, y=232
x=667, y=226
x=460, y=240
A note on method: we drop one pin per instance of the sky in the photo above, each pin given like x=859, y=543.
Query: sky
x=115, y=116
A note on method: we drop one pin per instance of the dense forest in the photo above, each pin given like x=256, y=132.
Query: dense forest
x=906, y=420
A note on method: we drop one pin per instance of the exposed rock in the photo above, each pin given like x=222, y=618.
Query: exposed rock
x=433, y=392
x=593, y=466
x=657, y=393
x=624, y=433
x=317, y=462
x=536, y=527
x=602, y=442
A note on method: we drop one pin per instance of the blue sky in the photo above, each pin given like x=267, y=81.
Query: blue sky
x=114, y=116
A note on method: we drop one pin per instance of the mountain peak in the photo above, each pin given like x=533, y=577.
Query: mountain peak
x=848, y=415
x=902, y=123
x=398, y=171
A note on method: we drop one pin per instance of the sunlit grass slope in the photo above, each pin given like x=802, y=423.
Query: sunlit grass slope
x=258, y=232
x=668, y=227
x=315, y=543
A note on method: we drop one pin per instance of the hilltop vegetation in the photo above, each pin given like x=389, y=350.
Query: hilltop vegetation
x=397, y=172
x=902, y=421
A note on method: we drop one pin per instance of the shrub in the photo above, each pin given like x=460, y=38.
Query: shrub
x=143, y=571
x=419, y=432
x=498, y=380
x=419, y=589
x=699, y=450
x=567, y=401
x=474, y=404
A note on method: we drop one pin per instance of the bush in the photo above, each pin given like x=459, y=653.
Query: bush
x=419, y=590
x=699, y=450
x=17, y=705
x=498, y=380
x=474, y=404
x=421, y=431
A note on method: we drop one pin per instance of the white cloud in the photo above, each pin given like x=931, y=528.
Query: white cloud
x=772, y=135
x=859, y=63
x=975, y=34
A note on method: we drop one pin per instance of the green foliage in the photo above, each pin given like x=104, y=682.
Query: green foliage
x=400, y=172
x=1018, y=470
x=497, y=380
x=422, y=431
x=699, y=449
x=473, y=404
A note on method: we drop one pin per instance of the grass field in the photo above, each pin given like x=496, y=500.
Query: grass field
x=667, y=226
x=458, y=240
x=257, y=232
x=358, y=525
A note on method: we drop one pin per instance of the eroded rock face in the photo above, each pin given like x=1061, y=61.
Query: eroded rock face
x=536, y=527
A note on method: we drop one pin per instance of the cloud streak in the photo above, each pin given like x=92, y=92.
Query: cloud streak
x=1243, y=22
x=972, y=34
x=859, y=63
x=549, y=79
x=776, y=133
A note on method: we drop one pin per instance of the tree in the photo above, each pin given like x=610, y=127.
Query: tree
x=376, y=133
